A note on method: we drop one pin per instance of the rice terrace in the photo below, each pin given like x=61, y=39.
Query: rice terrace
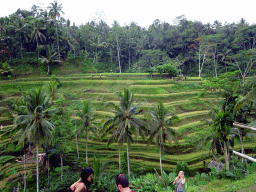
x=184, y=97
x=152, y=103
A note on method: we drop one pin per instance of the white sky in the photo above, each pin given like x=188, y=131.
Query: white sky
x=144, y=12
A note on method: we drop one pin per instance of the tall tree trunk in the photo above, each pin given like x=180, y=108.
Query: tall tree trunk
x=86, y=145
x=129, y=56
x=119, y=158
x=111, y=58
x=77, y=144
x=160, y=155
x=199, y=71
x=48, y=169
x=21, y=46
x=37, y=169
x=37, y=48
x=128, y=160
x=241, y=141
x=24, y=168
x=118, y=50
x=57, y=40
x=96, y=56
x=215, y=64
x=226, y=155
x=48, y=72
x=61, y=164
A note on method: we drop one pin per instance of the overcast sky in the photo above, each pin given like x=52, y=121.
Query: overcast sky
x=144, y=12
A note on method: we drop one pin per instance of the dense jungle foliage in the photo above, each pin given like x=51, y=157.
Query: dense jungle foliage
x=43, y=38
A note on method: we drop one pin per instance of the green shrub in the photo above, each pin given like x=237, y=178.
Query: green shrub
x=87, y=67
x=182, y=166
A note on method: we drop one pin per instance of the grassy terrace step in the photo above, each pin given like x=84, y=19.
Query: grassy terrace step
x=151, y=86
x=189, y=114
x=147, y=97
x=176, y=102
x=5, y=121
x=190, y=127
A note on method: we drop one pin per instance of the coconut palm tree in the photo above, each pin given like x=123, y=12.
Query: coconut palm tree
x=86, y=117
x=2, y=25
x=50, y=58
x=51, y=89
x=36, y=32
x=21, y=28
x=125, y=122
x=54, y=12
x=96, y=44
x=222, y=128
x=250, y=97
x=115, y=137
x=68, y=39
x=161, y=120
x=35, y=125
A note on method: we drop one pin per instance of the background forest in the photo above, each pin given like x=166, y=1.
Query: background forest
x=193, y=48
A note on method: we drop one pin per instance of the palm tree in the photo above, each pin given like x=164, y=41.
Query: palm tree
x=51, y=89
x=160, y=127
x=55, y=11
x=68, y=39
x=2, y=25
x=250, y=97
x=124, y=122
x=96, y=44
x=6, y=70
x=50, y=58
x=36, y=126
x=36, y=34
x=21, y=28
x=115, y=137
x=222, y=128
x=86, y=116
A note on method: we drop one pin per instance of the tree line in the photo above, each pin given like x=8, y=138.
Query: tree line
x=191, y=46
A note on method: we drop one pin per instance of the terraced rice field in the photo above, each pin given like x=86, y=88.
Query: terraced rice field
x=185, y=98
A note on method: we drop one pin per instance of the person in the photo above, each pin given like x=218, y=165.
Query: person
x=2, y=127
x=84, y=182
x=180, y=182
x=122, y=183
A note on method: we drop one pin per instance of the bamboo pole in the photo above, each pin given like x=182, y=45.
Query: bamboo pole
x=244, y=156
x=244, y=126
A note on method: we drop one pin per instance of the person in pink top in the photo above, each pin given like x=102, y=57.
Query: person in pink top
x=84, y=182
x=122, y=183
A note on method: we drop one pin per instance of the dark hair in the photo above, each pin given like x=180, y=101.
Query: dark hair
x=86, y=172
x=122, y=179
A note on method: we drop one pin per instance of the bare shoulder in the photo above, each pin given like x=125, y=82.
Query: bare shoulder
x=80, y=187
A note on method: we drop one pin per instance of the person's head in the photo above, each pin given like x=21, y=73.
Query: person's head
x=86, y=176
x=121, y=181
x=181, y=174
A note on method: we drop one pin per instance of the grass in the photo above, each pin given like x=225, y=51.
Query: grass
x=185, y=97
x=225, y=185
